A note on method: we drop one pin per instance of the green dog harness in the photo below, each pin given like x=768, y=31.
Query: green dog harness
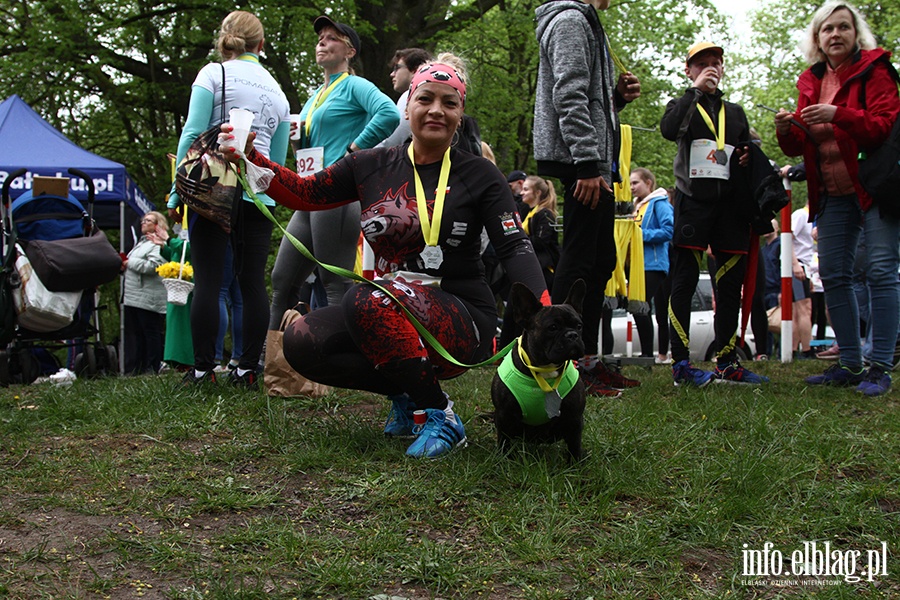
x=531, y=396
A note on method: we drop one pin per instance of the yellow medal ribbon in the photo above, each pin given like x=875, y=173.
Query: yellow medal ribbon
x=431, y=228
x=249, y=57
x=720, y=135
x=536, y=371
x=320, y=100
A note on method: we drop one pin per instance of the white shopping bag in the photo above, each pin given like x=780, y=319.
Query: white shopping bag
x=37, y=308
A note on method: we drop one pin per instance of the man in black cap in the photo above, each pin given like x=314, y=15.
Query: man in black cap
x=516, y=180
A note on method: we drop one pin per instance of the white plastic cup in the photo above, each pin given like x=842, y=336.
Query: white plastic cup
x=241, y=121
x=295, y=133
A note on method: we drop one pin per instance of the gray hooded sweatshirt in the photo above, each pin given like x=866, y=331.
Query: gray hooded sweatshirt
x=575, y=119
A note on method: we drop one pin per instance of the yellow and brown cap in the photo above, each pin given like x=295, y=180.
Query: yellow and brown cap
x=703, y=47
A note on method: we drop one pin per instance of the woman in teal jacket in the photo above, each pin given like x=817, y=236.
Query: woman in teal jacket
x=347, y=113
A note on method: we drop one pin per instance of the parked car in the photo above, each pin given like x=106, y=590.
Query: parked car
x=703, y=335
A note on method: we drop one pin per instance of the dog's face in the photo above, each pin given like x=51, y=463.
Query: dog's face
x=552, y=334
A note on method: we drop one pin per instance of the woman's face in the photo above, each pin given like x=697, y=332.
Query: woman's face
x=331, y=50
x=148, y=224
x=529, y=194
x=435, y=112
x=837, y=37
x=639, y=187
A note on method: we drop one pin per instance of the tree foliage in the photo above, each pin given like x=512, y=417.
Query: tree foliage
x=115, y=76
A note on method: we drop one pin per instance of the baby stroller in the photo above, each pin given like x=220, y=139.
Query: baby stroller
x=52, y=240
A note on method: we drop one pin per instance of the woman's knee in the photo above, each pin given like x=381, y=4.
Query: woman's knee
x=299, y=346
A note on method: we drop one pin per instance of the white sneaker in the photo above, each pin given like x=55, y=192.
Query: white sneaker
x=63, y=377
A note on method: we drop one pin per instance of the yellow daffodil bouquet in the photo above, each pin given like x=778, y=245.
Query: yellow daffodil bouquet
x=170, y=270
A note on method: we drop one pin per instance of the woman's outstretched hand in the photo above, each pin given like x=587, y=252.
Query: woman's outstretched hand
x=226, y=144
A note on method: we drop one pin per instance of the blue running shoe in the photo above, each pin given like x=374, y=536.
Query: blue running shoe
x=838, y=374
x=876, y=383
x=400, y=419
x=733, y=372
x=684, y=373
x=439, y=436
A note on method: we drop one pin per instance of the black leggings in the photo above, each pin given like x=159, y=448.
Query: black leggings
x=367, y=343
x=654, y=288
x=729, y=281
x=250, y=239
x=143, y=340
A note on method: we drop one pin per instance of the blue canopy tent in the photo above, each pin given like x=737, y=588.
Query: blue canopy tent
x=28, y=141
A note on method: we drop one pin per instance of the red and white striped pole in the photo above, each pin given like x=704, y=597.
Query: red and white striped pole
x=629, y=340
x=787, y=276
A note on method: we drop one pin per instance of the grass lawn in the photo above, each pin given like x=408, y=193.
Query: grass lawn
x=132, y=487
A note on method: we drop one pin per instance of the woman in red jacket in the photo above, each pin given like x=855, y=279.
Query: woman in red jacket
x=847, y=105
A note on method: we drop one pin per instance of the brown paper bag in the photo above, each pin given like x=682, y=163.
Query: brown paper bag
x=279, y=377
x=774, y=317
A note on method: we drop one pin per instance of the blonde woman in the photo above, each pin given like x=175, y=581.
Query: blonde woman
x=248, y=85
x=655, y=215
x=540, y=224
x=848, y=103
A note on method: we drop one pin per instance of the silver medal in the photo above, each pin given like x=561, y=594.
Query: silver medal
x=552, y=402
x=432, y=256
x=721, y=157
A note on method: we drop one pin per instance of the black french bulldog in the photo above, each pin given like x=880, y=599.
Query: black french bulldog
x=548, y=404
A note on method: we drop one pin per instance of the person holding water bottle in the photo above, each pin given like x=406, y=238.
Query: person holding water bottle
x=245, y=88
x=709, y=131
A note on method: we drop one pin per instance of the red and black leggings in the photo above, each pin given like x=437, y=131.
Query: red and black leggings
x=367, y=342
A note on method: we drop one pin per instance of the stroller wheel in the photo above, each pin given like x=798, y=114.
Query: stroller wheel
x=86, y=362
x=90, y=356
x=28, y=366
x=112, y=360
x=4, y=368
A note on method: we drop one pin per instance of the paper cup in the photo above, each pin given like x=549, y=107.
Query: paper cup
x=241, y=121
x=295, y=133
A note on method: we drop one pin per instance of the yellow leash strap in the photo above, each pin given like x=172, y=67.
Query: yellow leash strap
x=536, y=372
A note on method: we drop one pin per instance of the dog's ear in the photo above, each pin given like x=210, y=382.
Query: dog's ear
x=523, y=303
x=575, y=297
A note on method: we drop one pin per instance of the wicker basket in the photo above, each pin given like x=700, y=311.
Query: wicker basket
x=178, y=290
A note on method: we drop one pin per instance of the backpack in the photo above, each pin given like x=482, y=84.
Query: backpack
x=879, y=171
x=469, y=136
x=205, y=181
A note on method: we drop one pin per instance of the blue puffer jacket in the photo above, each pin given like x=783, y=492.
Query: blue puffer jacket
x=657, y=227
